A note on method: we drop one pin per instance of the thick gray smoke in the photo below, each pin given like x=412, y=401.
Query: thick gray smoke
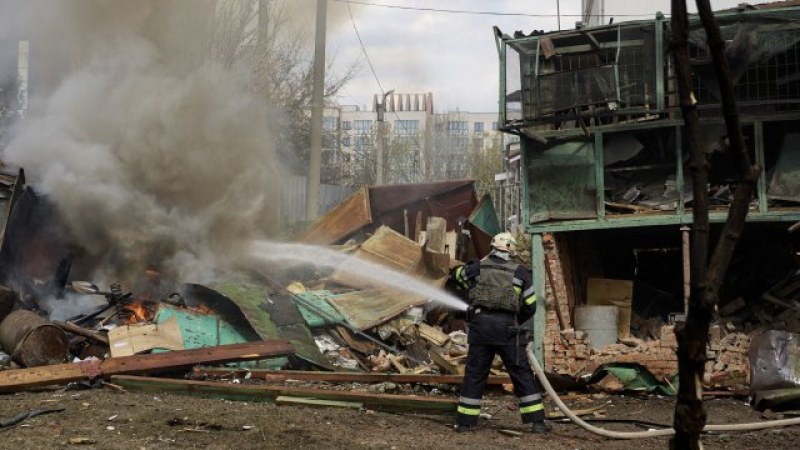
x=153, y=154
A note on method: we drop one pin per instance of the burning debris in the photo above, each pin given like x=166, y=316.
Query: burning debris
x=376, y=306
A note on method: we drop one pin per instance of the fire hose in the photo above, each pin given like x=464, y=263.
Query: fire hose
x=752, y=426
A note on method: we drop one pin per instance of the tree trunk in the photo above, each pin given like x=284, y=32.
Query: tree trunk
x=690, y=415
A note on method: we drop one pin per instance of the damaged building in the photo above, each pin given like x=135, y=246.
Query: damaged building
x=607, y=193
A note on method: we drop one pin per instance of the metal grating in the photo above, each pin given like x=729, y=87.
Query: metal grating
x=766, y=65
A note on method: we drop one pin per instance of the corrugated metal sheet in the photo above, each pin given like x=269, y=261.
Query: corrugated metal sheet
x=252, y=301
x=320, y=302
x=366, y=309
x=348, y=217
x=397, y=207
x=387, y=248
x=388, y=198
x=393, y=250
x=450, y=200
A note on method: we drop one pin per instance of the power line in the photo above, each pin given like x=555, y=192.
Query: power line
x=363, y=48
x=374, y=74
x=371, y=67
x=414, y=137
x=478, y=13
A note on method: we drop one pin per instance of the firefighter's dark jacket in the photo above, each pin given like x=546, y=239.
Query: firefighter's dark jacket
x=494, y=327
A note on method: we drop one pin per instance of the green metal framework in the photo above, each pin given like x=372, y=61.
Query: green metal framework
x=680, y=215
x=623, y=94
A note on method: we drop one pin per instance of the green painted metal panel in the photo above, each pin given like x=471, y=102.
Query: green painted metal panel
x=208, y=330
x=660, y=62
x=485, y=217
x=600, y=175
x=319, y=302
x=249, y=299
x=654, y=220
x=501, y=52
x=540, y=319
x=253, y=301
x=562, y=182
x=200, y=330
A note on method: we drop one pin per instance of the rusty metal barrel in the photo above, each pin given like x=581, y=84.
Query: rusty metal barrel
x=31, y=340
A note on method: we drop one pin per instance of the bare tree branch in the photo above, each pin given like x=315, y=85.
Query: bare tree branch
x=258, y=35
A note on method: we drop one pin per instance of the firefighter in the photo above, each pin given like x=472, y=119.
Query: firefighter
x=500, y=297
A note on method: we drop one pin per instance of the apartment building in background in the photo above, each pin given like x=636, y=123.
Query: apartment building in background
x=419, y=143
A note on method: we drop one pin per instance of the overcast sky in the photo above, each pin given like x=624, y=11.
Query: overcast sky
x=452, y=55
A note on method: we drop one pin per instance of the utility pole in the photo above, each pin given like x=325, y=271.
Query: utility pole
x=558, y=13
x=380, y=142
x=317, y=101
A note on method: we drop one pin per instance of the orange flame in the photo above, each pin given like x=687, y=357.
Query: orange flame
x=139, y=312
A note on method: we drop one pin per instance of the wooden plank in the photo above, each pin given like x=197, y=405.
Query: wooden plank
x=304, y=401
x=18, y=379
x=440, y=360
x=732, y=306
x=432, y=334
x=206, y=389
x=186, y=358
x=355, y=342
x=14, y=380
x=557, y=303
x=83, y=332
x=346, y=377
x=435, y=234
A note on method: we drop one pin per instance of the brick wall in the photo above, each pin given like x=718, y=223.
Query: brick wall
x=568, y=351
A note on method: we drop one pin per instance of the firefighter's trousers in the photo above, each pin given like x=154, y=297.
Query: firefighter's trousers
x=515, y=360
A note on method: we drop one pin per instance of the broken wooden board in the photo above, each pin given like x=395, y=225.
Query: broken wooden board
x=732, y=306
x=206, y=389
x=305, y=401
x=345, y=377
x=129, y=340
x=435, y=234
x=83, y=332
x=355, y=342
x=444, y=363
x=432, y=334
x=18, y=379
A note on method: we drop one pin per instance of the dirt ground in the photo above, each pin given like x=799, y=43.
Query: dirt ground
x=110, y=419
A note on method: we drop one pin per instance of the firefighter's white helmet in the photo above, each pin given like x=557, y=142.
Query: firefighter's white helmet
x=504, y=242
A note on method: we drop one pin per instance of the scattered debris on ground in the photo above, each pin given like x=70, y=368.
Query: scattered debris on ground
x=315, y=336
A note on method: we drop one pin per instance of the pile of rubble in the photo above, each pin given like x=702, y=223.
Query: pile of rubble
x=570, y=352
x=301, y=320
x=316, y=322
x=650, y=342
